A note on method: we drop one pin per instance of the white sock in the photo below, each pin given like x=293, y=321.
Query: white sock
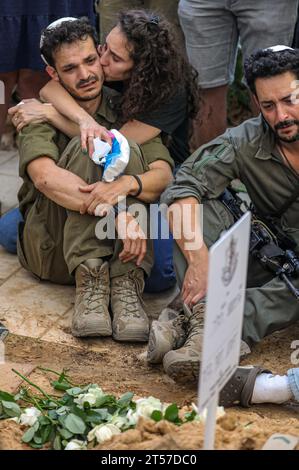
x=270, y=388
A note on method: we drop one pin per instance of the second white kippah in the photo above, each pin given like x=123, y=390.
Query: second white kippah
x=278, y=48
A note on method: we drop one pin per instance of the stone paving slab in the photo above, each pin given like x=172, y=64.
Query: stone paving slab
x=9, y=264
x=9, y=188
x=30, y=308
x=10, y=167
x=6, y=155
x=9, y=381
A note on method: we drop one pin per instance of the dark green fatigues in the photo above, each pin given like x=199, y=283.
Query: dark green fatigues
x=247, y=152
x=53, y=241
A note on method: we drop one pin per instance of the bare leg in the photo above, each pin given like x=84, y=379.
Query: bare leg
x=30, y=82
x=9, y=79
x=212, y=117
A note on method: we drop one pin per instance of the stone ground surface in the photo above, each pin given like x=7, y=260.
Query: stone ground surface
x=38, y=318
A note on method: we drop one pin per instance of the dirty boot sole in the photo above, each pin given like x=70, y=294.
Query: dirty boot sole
x=158, y=346
x=183, y=370
x=94, y=328
x=131, y=335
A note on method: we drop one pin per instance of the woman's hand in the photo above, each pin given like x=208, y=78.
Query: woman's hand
x=30, y=111
x=133, y=237
x=89, y=130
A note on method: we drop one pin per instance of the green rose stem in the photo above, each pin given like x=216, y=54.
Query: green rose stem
x=57, y=373
x=37, y=387
x=49, y=370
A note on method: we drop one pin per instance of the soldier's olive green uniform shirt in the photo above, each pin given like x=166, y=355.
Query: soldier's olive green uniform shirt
x=247, y=152
x=37, y=140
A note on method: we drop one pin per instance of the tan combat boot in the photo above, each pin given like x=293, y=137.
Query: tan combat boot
x=130, y=322
x=183, y=364
x=166, y=333
x=91, y=315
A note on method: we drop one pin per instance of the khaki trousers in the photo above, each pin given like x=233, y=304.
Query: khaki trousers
x=53, y=241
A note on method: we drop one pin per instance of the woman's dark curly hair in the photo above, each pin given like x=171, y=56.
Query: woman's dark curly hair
x=66, y=32
x=265, y=63
x=160, y=70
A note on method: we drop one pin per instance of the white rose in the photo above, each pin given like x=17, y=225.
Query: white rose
x=132, y=418
x=92, y=396
x=75, y=444
x=29, y=416
x=103, y=432
x=203, y=416
x=120, y=422
x=144, y=408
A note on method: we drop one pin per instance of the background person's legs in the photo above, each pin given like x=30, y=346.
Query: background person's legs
x=211, y=41
x=262, y=24
x=108, y=11
x=169, y=9
x=30, y=83
x=10, y=80
x=211, y=120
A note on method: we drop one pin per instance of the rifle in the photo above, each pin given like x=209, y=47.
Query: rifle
x=268, y=243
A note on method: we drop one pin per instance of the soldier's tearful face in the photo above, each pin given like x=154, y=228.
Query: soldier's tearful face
x=278, y=98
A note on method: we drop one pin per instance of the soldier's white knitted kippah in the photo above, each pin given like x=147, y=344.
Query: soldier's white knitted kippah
x=53, y=26
x=278, y=48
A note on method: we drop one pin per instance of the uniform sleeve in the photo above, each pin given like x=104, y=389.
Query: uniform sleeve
x=154, y=150
x=34, y=141
x=206, y=173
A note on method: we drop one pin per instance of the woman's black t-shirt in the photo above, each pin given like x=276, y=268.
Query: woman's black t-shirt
x=172, y=119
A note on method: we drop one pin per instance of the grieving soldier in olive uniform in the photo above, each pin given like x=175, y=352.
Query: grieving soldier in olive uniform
x=57, y=241
x=264, y=154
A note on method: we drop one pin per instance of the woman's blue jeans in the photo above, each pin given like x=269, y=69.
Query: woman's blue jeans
x=9, y=230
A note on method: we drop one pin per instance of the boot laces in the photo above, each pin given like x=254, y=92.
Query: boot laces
x=128, y=289
x=94, y=288
x=195, y=324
